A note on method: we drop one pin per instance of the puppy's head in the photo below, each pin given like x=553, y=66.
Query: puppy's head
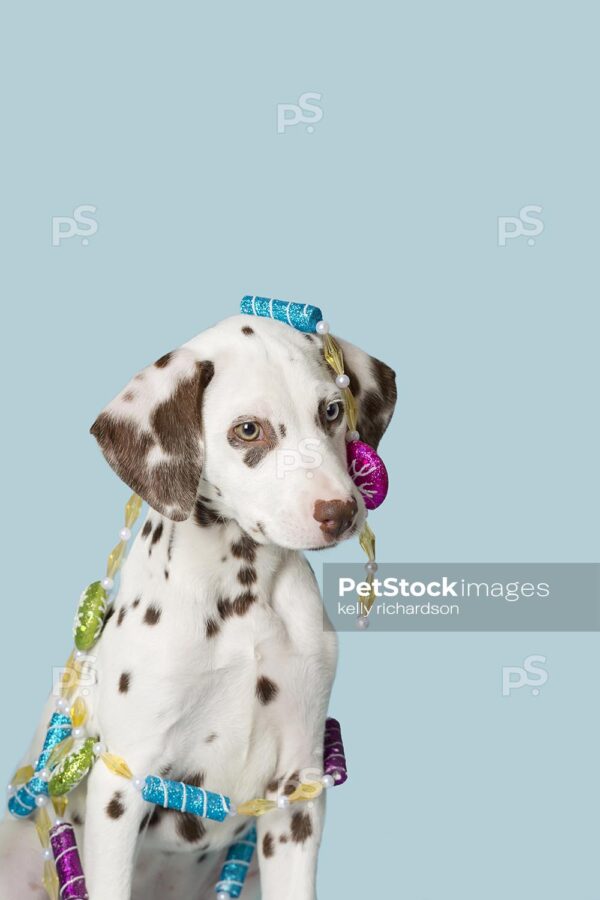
x=249, y=413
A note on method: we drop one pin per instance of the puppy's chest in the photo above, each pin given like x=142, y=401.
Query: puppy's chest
x=201, y=664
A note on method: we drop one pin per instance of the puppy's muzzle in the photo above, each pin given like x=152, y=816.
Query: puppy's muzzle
x=336, y=516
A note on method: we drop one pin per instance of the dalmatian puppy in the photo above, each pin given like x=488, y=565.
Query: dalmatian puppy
x=214, y=666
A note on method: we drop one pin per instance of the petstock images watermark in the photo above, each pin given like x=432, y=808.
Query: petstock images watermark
x=464, y=596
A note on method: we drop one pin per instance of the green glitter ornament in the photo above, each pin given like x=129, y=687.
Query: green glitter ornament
x=90, y=616
x=72, y=770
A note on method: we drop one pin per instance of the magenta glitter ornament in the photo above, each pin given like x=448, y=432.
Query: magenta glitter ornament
x=368, y=473
x=68, y=864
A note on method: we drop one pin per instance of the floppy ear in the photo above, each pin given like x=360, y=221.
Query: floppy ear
x=373, y=385
x=151, y=433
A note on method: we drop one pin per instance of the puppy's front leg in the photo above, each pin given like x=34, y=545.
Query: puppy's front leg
x=114, y=812
x=288, y=846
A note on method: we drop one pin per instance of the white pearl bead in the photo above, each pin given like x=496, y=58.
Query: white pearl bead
x=125, y=534
x=45, y=775
x=232, y=812
x=78, y=733
x=352, y=436
x=371, y=566
x=62, y=704
x=342, y=381
x=322, y=327
x=10, y=789
x=283, y=802
x=57, y=822
x=362, y=622
x=107, y=583
x=47, y=854
x=222, y=896
x=79, y=655
x=138, y=783
x=99, y=748
x=328, y=781
x=41, y=800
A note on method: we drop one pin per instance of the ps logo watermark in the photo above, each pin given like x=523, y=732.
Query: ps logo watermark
x=64, y=227
x=306, y=457
x=535, y=676
x=289, y=114
x=510, y=227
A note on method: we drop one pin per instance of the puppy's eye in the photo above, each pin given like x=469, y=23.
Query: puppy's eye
x=333, y=411
x=248, y=431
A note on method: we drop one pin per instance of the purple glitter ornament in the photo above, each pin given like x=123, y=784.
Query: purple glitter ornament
x=334, y=759
x=68, y=864
x=368, y=473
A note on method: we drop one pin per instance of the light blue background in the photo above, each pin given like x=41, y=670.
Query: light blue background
x=438, y=118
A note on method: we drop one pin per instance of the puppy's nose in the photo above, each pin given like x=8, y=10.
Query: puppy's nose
x=335, y=516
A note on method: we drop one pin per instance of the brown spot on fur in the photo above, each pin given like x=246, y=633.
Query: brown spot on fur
x=247, y=576
x=268, y=845
x=283, y=839
x=128, y=396
x=77, y=820
x=308, y=337
x=224, y=607
x=282, y=430
x=301, y=827
x=205, y=516
x=147, y=528
x=152, y=615
x=164, y=361
x=212, y=628
x=202, y=857
x=211, y=737
x=291, y=784
x=136, y=602
x=243, y=602
x=255, y=455
x=157, y=535
x=247, y=330
x=244, y=548
x=122, y=614
x=124, y=682
x=190, y=827
x=115, y=808
x=108, y=616
x=266, y=690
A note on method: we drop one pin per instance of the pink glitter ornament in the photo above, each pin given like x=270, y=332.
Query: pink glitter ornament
x=368, y=473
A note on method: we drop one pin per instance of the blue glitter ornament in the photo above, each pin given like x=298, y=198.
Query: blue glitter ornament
x=234, y=871
x=186, y=798
x=24, y=801
x=301, y=316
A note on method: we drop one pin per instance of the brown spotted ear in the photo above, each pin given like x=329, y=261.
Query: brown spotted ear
x=151, y=433
x=374, y=387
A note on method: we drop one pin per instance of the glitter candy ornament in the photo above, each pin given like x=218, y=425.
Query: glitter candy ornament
x=368, y=473
x=186, y=798
x=68, y=863
x=235, y=868
x=334, y=761
x=24, y=801
x=72, y=770
x=90, y=616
